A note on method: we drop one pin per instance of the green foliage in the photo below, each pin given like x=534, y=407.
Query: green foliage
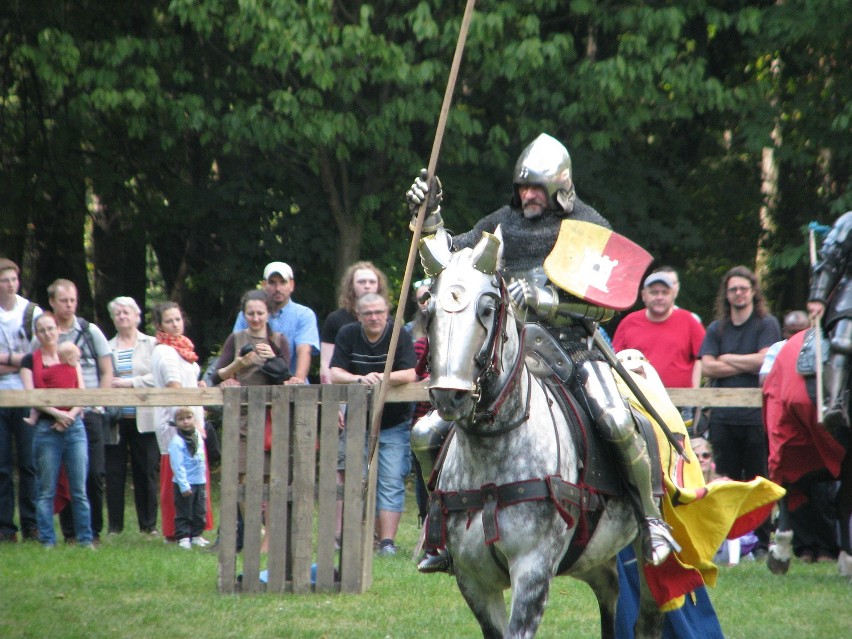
x=221, y=135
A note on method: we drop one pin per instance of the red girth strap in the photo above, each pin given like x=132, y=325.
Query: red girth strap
x=570, y=500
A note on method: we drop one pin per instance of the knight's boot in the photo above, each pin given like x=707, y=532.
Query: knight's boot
x=427, y=437
x=615, y=424
x=834, y=416
x=435, y=561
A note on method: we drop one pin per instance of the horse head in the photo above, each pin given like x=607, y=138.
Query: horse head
x=467, y=318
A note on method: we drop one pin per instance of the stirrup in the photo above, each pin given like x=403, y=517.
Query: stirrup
x=435, y=562
x=657, y=541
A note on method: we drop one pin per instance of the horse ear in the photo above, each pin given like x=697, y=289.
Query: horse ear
x=486, y=253
x=435, y=252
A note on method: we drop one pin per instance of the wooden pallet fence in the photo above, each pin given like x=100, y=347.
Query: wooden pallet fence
x=298, y=492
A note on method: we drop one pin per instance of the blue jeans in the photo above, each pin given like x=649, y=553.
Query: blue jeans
x=51, y=449
x=14, y=432
x=394, y=465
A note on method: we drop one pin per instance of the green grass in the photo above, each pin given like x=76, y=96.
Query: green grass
x=135, y=587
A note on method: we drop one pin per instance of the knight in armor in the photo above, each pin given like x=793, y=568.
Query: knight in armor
x=830, y=299
x=543, y=196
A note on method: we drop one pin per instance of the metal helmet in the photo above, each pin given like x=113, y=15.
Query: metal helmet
x=546, y=163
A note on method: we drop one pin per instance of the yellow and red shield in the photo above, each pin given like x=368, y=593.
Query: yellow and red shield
x=597, y=265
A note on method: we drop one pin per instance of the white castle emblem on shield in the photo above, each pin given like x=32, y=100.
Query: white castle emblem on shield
x=596, y=269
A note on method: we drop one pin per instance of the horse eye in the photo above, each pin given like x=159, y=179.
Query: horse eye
x=486, y=307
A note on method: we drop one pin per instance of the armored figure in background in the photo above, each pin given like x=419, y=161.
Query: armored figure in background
x=543, y=196
x=831, y=289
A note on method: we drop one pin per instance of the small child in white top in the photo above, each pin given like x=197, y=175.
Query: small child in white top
x=186, y=455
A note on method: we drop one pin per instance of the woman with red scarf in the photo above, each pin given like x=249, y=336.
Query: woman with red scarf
x=174, y=364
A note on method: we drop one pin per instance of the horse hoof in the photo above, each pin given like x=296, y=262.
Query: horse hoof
x=777, y=566
x=435, y=563
x=844, y=564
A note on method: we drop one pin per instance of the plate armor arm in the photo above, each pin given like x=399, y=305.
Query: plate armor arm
x=833, y=259
x=532, y=290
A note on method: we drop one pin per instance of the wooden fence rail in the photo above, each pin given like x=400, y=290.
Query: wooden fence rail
x=710, y=397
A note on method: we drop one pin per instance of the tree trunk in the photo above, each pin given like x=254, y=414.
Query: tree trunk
x=769, y=190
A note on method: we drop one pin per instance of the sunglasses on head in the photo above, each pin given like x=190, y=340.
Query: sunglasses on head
x=424, y=282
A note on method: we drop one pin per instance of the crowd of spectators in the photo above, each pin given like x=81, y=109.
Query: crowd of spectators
x=74, y=460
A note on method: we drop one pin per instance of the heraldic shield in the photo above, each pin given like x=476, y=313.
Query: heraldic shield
x=597, y=265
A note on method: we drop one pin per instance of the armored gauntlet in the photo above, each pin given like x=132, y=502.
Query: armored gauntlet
x=421, y=192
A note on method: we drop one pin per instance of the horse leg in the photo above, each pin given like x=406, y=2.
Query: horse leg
x=486, y=603
x=603, y=580
x=531, y=577
x=781, y=552
x=649, y=623
x=844, y=516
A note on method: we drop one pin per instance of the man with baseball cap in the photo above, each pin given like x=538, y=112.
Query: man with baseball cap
x=669, y=337
x=294, y=321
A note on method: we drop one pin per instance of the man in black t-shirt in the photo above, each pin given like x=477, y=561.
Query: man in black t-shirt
x=360, y=354
x=731, y=355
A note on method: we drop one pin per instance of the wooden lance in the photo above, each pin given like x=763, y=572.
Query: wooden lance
x=415, y=238
x=815, y=324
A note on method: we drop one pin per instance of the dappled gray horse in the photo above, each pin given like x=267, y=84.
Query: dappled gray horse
x=509, y=498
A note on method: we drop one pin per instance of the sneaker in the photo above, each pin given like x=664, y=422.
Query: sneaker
x=9, y=538
x=200, y=541
x=387, y=548
x=185, y=543
x=88, y=546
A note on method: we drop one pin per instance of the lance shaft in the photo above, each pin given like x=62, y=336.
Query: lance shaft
x=415, y=238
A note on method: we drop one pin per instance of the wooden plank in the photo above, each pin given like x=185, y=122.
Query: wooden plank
x=112, y=397
x=252, y=519
x=717, y=397
x=415, y=392
x=304, y=474
x=228, y=493
x=357, y=525
x=331, y=397
x=747, y=397
x=278, y=514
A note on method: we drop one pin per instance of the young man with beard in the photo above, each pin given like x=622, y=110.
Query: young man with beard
x=732, y=353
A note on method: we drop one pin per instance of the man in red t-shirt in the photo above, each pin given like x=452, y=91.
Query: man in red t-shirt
x=668, y=336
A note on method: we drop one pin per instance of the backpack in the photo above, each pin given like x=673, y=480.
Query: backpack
x=86, y=334
x=27, y=322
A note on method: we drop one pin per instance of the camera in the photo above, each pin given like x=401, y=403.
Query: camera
x=245, y=350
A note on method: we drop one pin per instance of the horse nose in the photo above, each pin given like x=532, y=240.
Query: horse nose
x=450, y=402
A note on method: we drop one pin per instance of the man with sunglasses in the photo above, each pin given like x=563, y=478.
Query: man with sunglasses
x=732, y=353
